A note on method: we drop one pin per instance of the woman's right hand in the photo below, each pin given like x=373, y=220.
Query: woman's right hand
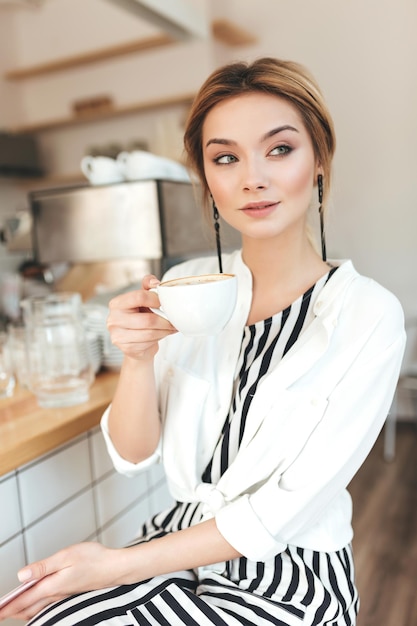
x=133, y=328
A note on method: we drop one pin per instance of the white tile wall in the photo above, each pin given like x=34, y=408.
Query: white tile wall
x=10, y=523
x=46, y=484
x=115, y=493
x=73, y=522
x=126, y=527
x=159, y=498
x=72, y=495
x=12, y=558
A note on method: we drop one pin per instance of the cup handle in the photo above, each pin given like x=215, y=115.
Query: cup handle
x=158, y=311
x=87, y=165
x=122, y=157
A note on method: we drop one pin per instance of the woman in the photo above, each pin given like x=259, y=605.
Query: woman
x=258, y=449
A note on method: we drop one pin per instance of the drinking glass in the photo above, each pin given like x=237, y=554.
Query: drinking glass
x=17, y=343
x=7, y=379
x=60, y=369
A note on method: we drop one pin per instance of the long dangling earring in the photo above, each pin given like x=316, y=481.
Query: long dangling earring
x=217, y=231
x=323, y=239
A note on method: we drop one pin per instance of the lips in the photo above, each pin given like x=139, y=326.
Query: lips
x=258, y=205
x=259, y=209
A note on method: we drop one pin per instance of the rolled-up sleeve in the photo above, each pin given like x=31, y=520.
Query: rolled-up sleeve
x=122, y=465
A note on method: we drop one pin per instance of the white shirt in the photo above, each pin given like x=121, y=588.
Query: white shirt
x=311, y=424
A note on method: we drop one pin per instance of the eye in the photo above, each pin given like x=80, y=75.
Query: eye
x=281, y=150
x=225, y=159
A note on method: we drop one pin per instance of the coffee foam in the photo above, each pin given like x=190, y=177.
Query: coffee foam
x=196, y=280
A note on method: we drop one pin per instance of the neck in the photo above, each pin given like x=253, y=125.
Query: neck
x=281, y=273
x=272, y=261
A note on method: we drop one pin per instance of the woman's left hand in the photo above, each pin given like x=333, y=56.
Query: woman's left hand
x=80, y=567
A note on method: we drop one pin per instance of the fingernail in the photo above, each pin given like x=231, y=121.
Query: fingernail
x=154, y=282
x=24, y=574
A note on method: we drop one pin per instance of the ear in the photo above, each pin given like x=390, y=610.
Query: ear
x=319, y=170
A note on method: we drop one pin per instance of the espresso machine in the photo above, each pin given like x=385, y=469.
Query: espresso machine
x=159, y=222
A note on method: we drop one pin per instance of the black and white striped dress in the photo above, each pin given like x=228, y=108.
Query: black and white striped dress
x=296, y=587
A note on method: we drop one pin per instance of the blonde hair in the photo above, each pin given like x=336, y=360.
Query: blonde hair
x=286, y=79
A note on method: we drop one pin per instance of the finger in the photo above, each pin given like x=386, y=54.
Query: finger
x=30, y=611
x=32, y=599
x=122, y=331
x=26, y=606
x=139, y=321
x=150, y=281
x=40, y=569
x=57, y=562
x=133, y=320
x=131, y=341
x=134, y=300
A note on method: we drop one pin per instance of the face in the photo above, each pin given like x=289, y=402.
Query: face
x=260, y=165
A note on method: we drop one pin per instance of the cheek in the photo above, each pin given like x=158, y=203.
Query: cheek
x=300, y=180
x=218, y=186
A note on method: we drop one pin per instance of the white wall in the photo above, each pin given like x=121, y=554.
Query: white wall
x=11, y=198
x=64, y=27
x=363, y=55
x=10, y=107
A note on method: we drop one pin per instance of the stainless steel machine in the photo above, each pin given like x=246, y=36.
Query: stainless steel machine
x=160, y=221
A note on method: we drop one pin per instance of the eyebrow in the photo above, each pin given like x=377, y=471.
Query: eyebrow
x=268, y=135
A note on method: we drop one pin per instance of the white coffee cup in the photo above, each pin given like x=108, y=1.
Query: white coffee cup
x=141, y=165
x=102, y=170
x=198, y=305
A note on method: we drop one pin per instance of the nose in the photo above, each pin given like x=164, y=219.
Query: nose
x=254, y=175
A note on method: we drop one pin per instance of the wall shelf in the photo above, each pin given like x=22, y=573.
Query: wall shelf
x=102, y=54
x=231, y=35
x=222, y=30
x=107, y=113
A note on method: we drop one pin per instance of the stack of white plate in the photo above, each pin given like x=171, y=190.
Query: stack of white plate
x=95, y=349
x=95, y=317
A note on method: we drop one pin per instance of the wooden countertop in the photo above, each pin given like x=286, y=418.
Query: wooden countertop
x=27, y=431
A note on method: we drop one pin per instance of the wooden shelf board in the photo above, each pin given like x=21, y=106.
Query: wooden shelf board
x=222, y=29
x=230, y=34
x=138, y=107
x=110, y=52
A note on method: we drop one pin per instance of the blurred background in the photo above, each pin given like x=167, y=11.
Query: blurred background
x=96, y=77
x=99, y=77
x=363, y=55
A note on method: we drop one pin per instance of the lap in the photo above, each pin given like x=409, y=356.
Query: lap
x=300, y=588
x=181, y=600
x=174, y=601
